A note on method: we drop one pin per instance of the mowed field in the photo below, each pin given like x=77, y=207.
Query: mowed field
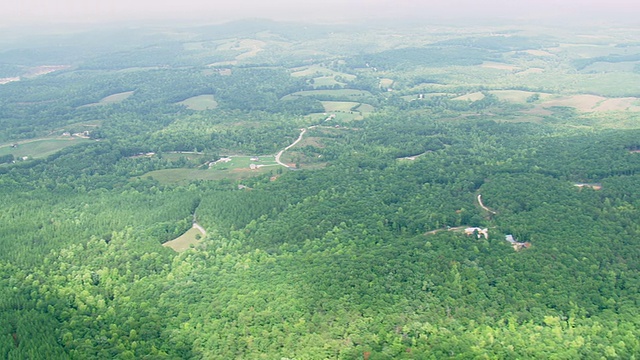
x=111, y=99
x=200, y=102
x=349, y=94
x=183, y=242
x=40, y=148
x=235, y=169
x=594, y=103
x=581, y=102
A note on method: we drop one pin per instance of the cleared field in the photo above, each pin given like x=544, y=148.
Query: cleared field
x=111, y=99
x=472, y=97
x=386, y=83
x=184, y=242
x=365, y=108
x=518, y=96
x=345, y=93
x=40, y=148
x=499, y=66
x=314, y=70
x=326, y=81
x=200, y=102
x=116, y=98
x=591, y=103
x=538, y=53
x=319, y=71
x=531, y=71
x=426, y=96
x=342, y=106
x=238, y=167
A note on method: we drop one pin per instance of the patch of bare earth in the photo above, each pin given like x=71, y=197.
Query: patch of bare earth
x=499, y=66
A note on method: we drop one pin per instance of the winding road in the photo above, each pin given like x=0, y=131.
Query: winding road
x=289, y=147
x=484, y=207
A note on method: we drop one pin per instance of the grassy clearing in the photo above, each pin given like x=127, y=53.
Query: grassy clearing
x=316, y=71
x=111, y=99
x=339, y=106
x=518, y=96
x=239, y=167
x=200, y=102
x=116, y=98
x=40, y=148
x=184, y=242
x=177, y=156
x=326, y=81
x=343, y=93
x=386, y=83
x=184, y=176
x=365, y=108
x=472, y=97
x=499, y=66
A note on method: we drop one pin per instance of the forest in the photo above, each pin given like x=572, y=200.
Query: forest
x=335, y=217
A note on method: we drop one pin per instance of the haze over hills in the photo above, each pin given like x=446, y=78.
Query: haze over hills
x=38, y=12
x=267, y=189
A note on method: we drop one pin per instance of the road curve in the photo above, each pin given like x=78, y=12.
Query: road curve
x=484, y=207
x=289, y=147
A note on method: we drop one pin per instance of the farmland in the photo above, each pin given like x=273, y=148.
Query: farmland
x=200, y=102
x=173, y=230
x=39, y=148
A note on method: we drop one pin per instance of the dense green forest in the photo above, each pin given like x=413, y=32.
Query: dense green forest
x=351, y=243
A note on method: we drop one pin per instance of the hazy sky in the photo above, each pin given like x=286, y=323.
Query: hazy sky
x=90, y=11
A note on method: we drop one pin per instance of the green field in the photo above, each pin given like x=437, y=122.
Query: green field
x=236, y=169
x=344, y=106
x=185, y=240
x=316, y=71
x=200, y=102
x=111, y=99
x=343, y=93
x=41, y=147
x=326, y=81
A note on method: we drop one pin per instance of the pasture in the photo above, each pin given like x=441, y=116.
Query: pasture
x=238, y=167
x=111, y=99
x=594, y=103
x=348, y=94
x=185, y=241
x=315, y=71
x=200, y=102
x=40, y=148
x=341, y=106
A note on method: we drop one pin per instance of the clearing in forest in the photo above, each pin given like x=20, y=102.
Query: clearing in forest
x=193, y=237
x=348, y=94
x=39, y=148
x=499, y=66
x=235, y=168
x=594, y=103
x=111, y=99
x=472, y=97
x=200, y=102
x=518, y=96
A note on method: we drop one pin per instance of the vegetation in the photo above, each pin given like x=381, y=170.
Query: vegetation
x=350, y=253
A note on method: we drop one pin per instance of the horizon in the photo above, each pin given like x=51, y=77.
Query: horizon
x=30, y=13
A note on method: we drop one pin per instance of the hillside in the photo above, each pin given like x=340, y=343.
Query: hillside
x=318, y=182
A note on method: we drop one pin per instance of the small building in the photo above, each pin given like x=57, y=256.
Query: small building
x=253, y=166
x=510, y=239
x=255, y=158
x=478, y=231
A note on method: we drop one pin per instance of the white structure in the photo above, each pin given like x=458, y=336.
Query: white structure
x=480, y=232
